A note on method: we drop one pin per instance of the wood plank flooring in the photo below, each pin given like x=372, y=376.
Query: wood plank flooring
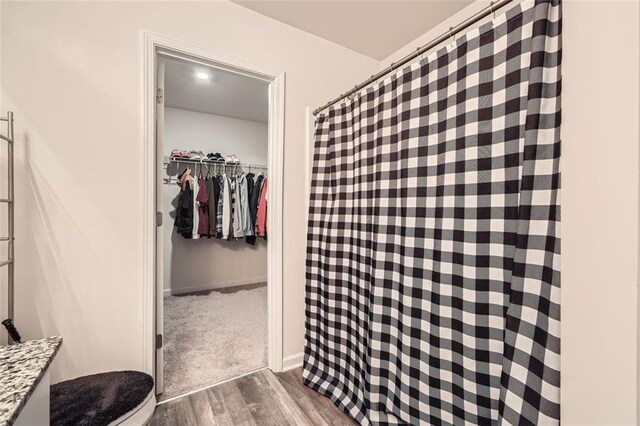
x=261, y=398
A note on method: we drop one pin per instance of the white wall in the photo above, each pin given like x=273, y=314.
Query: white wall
x=3, y=214
x=248, y=140
x=3, y=280
x=600, y=160
x=600, y=212
x=193, y=265
x=72, y=73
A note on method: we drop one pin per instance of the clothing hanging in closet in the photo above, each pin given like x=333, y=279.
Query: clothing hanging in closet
x=196, y=210
x=253, y=207
x=212, y=192
x=236, y=220
x=184, y=209
x=229, y=207
x=220, y=183
x=203, y=207
x=261, y=225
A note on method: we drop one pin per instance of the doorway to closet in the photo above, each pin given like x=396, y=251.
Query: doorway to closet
x=217, y=286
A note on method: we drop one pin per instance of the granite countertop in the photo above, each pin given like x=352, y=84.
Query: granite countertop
x=21, y=368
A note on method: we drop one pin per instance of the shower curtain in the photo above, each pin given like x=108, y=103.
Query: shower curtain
x=433, y=276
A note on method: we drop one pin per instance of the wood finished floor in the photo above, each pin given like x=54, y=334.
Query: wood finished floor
x=261, y=398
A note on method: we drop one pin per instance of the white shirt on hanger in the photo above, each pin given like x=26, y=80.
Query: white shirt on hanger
x=226, y=208
x=196, y=210
x=238, y=223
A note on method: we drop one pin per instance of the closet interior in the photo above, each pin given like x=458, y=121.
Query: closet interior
x=214, y=139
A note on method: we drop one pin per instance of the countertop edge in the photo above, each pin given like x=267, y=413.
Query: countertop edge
x=14, y=413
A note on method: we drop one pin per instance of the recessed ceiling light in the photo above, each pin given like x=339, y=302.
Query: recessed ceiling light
x=202, y=75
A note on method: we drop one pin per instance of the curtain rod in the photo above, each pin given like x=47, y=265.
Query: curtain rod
x=493, y=6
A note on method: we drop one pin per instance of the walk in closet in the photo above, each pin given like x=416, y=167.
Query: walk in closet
x=213, y=135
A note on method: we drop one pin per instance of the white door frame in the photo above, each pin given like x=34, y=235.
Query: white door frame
x=151, y=44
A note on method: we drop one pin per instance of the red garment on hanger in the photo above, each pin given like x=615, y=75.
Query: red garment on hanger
x=261, y=220
x=203, y=208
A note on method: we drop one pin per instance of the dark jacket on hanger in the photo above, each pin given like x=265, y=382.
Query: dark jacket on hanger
x=213, y=192
x=250, y=184
x=253, y=206
x=184, y=211
x=219, y=181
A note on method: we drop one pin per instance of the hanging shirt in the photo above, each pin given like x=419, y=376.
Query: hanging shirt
x=250, y=182
x=236, y=220
x=226, y=208
x=250, y=233
x=244, y=205
x=261, y=221
x=212, y=192
x=196, y=215
x=219, y=180
x=253, y=208
x=203, y=208
x=241, y=207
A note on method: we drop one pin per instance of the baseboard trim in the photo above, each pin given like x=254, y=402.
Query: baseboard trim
x=213, y=286
x=292, y=361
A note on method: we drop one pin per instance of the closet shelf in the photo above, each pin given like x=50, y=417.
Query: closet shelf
x=168, y=161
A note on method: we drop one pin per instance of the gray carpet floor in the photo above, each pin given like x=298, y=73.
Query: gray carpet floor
x=213, y=336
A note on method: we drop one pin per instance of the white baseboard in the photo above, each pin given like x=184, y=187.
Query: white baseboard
x=292, y=361
x=213, y=286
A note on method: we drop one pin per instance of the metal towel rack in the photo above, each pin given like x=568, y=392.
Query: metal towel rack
x=9, y=262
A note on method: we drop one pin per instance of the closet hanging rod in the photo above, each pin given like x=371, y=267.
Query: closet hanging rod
x=454, y=30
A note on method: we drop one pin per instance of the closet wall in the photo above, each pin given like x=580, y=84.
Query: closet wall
x=206, y=263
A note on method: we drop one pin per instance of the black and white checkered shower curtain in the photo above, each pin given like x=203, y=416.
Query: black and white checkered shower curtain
x=433, y=276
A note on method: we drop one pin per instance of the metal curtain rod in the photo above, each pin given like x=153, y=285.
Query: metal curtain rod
x=493, y=6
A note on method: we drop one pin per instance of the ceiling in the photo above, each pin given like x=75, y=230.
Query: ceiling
x=375, y=28
x=224, y=93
